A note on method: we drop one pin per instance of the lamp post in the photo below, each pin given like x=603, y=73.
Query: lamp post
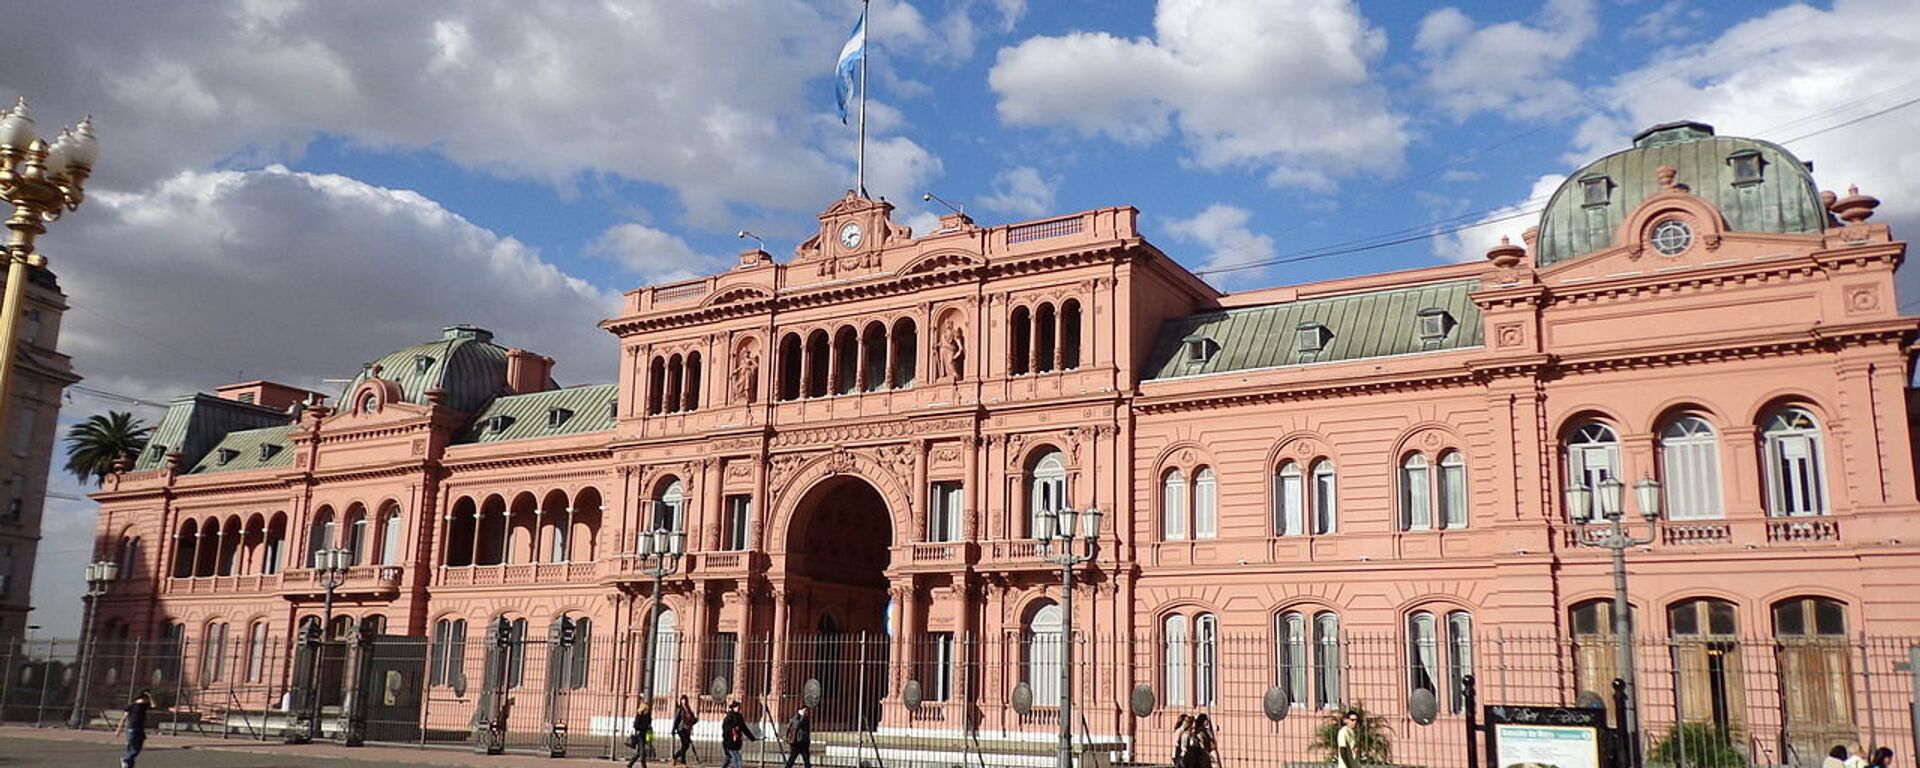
x=1056, y=535
x=39, y=181
x=100, y=575
x=330, y=571
x=1609, y=496
x=660, y=553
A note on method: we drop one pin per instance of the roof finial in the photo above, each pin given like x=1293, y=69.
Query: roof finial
x=1506, y=255
x=1665, y=174
x=1855, y=208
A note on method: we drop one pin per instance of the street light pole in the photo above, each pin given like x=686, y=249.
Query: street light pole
x=100, y=575
x=1618, y=538
x=39, y=181
x=660, y=551
x=330, y=570
x=1064, y=528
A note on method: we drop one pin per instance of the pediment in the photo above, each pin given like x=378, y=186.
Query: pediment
x=936, y=262
x=737, y=295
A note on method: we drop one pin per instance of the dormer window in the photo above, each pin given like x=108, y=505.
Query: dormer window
x=246, y=397
x=369, y=403
x=227, y=455
x=1595, y=190
x=267, y=451
x=613, y=409
x=1195, y=350
x=557, y=416
x=1434, y=324
x=498, y=424
x=1748, y=167
x=1311, y=337
x=157, y=451
x=421, y=363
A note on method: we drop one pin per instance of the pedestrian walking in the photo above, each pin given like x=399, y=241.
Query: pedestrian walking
x=1857, y=757
x=799, y=737
x=1180, y=727
x=734, y=734
x=1348, y=739
x=683, y=720
x=1202, y=750
x=641, y=739
x=134, y=723
x=1836, y=757
x=1882, y=758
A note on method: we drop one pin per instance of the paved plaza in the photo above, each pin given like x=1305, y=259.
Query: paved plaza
x=34, y=748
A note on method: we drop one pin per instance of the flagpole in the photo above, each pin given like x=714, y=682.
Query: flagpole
x=860, y=165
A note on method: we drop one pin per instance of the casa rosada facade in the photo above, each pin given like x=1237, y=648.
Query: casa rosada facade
x=859, y=438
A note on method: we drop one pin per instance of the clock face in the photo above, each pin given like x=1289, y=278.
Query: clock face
x=850, y=235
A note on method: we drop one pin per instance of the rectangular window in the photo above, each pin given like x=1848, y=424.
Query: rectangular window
x=739, y=521
x=1423, y=651
x=16, y=498
x=1291, y=646
x=1206, y=507
x=6, y=570
x=939, y=666
x=24, y=422
x=1289, y=493
x=1459, y=659
x=1326, y=661
x=1323, y=499
x=1416, y=514
x=943, y=511
x=1693, y=479
x=31, y=332
x=1453, y=491
x=246, y=397
x=1796, y=482
x=720, y=658
x=257, y=652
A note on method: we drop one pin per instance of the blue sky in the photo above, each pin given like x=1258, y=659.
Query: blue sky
x=289, y=189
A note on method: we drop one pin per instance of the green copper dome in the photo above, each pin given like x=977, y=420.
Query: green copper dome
x=1758, y=186
x=464, y=364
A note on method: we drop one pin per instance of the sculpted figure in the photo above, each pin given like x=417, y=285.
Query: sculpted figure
x=746, y=376
x=953, y=352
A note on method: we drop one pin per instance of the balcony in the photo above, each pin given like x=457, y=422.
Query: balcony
x=933, y=557
x=518, y=574
x=372, y=580
x=1748, y=532
x=1798, y=530
x=258, y=583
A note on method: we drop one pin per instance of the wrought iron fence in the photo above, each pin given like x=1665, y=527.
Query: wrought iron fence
x=947, y=699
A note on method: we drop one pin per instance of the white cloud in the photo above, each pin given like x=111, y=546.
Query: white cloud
x=1221, y=230
x=1011, y=11
x=1472, y=242
x=501, y=87
x=1511, y=67
x=656, y=256
x=1021, y=191
x=1244, y=83
x=1673, y=20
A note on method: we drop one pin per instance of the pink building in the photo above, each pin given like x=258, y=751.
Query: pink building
x=856, y=440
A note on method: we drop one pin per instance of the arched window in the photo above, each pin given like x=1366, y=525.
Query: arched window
x=321, y=536
x=1416, y=509
x=1070, y=335
x=272, y=556
x=1459, y=659
x=357, y=529
x=1325, y=514
x=1326, y=660
x=1289, y=501
x=393, y=534
x=168, y=658
x=257, y=652
x=846, y=360
x=819, y=362
x=1046, y=488
x=229, y=547
x=790, y=364
x=213, y=653
x=906, y=353
x=448, y=664
x=690, y=397
x=669, y=507
x=1046, y=337
x=1020, y=341
x=1796, y=479
x=656, y=385
x=1174, y=646
x=666, y=653
x=1290, y=650
x=873, y=357
x=1453, y=490
x=1816, y=668
x=1690, y=469
x=130, y=557
x=1593, y=455
x=676, y=383
x=573, y=660
x=1044, y=654
x=1423, y=653
x=1596, y=660
x=1206, y=505
x=1707, y=678
x=560, y=533
x=183, y=549
x=1173, y=505
x=1206, y=657
x=516, y=649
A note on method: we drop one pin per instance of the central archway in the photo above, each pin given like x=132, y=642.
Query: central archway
x=838, y=551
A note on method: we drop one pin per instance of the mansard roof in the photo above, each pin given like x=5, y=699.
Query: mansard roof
x=1350, y=327
x=269, y=447
x=1780, y=198
x=195, y=423
x=464, y=363
x=553, y=413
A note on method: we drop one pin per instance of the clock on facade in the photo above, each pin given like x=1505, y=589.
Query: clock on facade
x=850, y=235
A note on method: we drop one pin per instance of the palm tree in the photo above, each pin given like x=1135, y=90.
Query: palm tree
x=95, y=444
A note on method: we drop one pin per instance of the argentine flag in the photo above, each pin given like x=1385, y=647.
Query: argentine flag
x=850, y=56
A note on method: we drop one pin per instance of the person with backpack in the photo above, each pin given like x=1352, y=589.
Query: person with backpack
x=683, y=720
x=734, y=734
x=641, y=739
x=799, y=736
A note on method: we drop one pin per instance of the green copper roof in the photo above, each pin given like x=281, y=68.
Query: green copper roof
x=1377, y=324
x=249, y=449
x=1783, y=199
x=464, y=363
x=194, y=423
x=556, y=412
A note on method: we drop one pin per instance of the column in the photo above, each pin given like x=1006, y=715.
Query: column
x=534, y=556
x=782, y=604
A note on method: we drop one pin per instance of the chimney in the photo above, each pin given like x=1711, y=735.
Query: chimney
x=527, y=372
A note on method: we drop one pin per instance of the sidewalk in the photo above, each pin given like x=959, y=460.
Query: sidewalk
x=302, y=754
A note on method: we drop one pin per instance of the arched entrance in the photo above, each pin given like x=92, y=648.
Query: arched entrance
x=838, y=550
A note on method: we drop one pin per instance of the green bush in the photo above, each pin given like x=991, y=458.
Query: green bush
x=1372, y=738
x=1697, y=745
